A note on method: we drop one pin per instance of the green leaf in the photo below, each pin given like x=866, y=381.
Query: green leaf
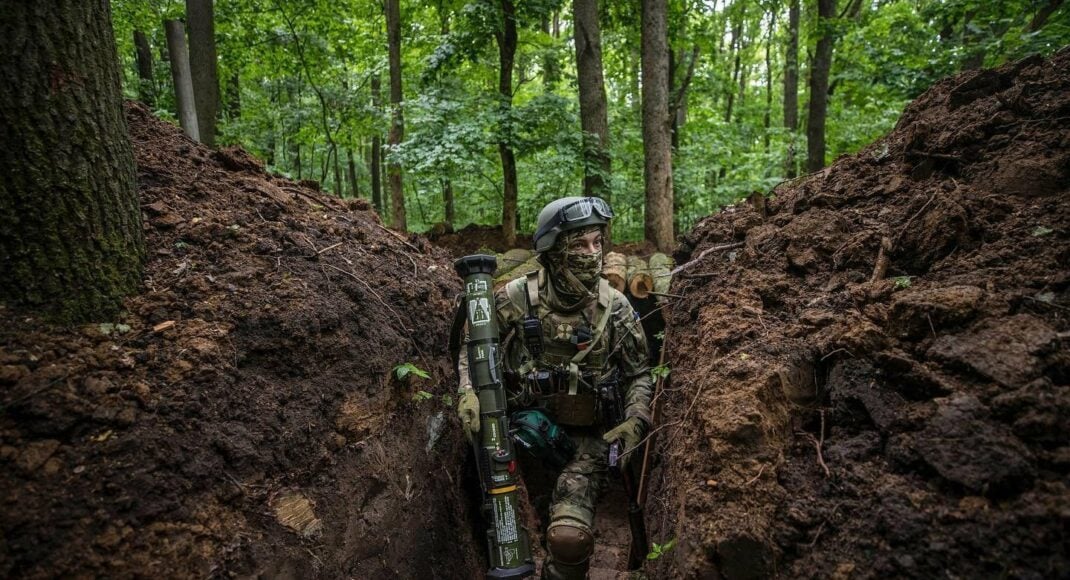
x=660, y=371
x=402, y=371
x=419, y=396
x=902, y=282
x=1041, y=231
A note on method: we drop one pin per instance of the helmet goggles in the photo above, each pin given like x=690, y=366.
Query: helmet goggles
x=578, y=210
x=583, y=208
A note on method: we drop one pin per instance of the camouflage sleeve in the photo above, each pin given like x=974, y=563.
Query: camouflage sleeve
x=634, y=366
x=507, y=314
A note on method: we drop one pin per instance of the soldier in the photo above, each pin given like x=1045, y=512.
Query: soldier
x=567, y=336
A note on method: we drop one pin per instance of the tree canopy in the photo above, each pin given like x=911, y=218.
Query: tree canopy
x=297, y=78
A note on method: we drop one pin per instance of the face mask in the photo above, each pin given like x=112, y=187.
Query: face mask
x=585, y=267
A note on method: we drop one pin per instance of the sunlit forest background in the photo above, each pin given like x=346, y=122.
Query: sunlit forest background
x=304, y=86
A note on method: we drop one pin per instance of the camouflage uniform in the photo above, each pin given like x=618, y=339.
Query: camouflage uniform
x=619, y=350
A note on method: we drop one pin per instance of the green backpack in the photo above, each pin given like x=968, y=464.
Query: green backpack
x=533, y=431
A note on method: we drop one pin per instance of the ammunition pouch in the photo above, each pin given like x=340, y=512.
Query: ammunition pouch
x=549, y=389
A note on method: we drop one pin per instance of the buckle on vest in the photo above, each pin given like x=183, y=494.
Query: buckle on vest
x=581, y=338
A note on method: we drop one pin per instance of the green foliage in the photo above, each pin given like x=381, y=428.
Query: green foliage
x=403, y=371
x=1041, y=231
x=658, y=550
x=305, y=69
x=660, y=371
x=902, y=282
x=420, y=396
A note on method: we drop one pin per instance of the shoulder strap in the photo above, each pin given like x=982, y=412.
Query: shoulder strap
x=605, y=302
x=533, y=288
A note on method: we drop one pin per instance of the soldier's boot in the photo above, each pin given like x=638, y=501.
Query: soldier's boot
x=570, y=550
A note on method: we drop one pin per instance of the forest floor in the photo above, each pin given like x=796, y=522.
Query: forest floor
x=835, y=409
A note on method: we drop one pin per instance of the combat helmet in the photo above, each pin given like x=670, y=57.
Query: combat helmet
x=566, y=214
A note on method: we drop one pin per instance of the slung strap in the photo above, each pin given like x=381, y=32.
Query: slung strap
x=533, y=290
x=605, y=301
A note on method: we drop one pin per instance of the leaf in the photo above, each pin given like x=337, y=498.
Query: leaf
x=419, y=396
x=404, y=370
x=902, y=282
x=1041, y=231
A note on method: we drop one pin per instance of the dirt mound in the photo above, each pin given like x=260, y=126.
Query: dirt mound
x=242, y=417
x=474, y=239
x=872, y=379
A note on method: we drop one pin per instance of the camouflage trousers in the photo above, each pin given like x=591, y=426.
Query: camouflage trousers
x=576, y=492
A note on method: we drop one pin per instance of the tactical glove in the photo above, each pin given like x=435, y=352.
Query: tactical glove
x=468, y=411
x=629, y=433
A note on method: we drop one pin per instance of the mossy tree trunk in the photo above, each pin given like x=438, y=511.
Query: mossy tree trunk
x=70, y=228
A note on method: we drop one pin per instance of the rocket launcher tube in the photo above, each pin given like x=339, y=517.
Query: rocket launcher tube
x=508, y=547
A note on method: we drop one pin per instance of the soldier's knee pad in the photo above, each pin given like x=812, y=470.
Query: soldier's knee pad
x=569, y=544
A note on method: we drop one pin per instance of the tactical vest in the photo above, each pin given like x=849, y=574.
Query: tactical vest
x=575, y=354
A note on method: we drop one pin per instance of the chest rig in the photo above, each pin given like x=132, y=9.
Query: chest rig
x=558, y=359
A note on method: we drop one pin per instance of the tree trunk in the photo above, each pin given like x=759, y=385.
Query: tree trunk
x=447, y=201
x=507, y=40
x=1042, y=15
x=592, y=91
x=339, y=184
x=791, y=86
x=657, y=141
x=297, y=159
x=202, y=62
x=397, y=126
x=735, y=45
x=146, y=88
x=375, y=163
x=551, y=69
x=70, y=228
x=769, y=78
x=180, y=73
x=819, y=86
x=354, y=188
x=234, y=97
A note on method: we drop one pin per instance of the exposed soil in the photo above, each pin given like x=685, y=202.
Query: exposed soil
x=241, y=418
x=937, y=394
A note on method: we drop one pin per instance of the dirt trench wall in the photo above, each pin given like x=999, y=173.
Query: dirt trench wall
x=936, y=390
x=242, y=418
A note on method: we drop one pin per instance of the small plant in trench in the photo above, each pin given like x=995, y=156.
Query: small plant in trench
x=403, y=371
x=420, y=396
x=902, y=282
x=658, y=550
x=660, y=371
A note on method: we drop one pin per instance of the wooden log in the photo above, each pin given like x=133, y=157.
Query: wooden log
x=640, y=282
x=661, y=271
x=511, y=259
x=615, y=268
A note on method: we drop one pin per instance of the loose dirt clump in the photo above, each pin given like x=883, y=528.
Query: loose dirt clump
x=871, y=380
x=241, y=418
